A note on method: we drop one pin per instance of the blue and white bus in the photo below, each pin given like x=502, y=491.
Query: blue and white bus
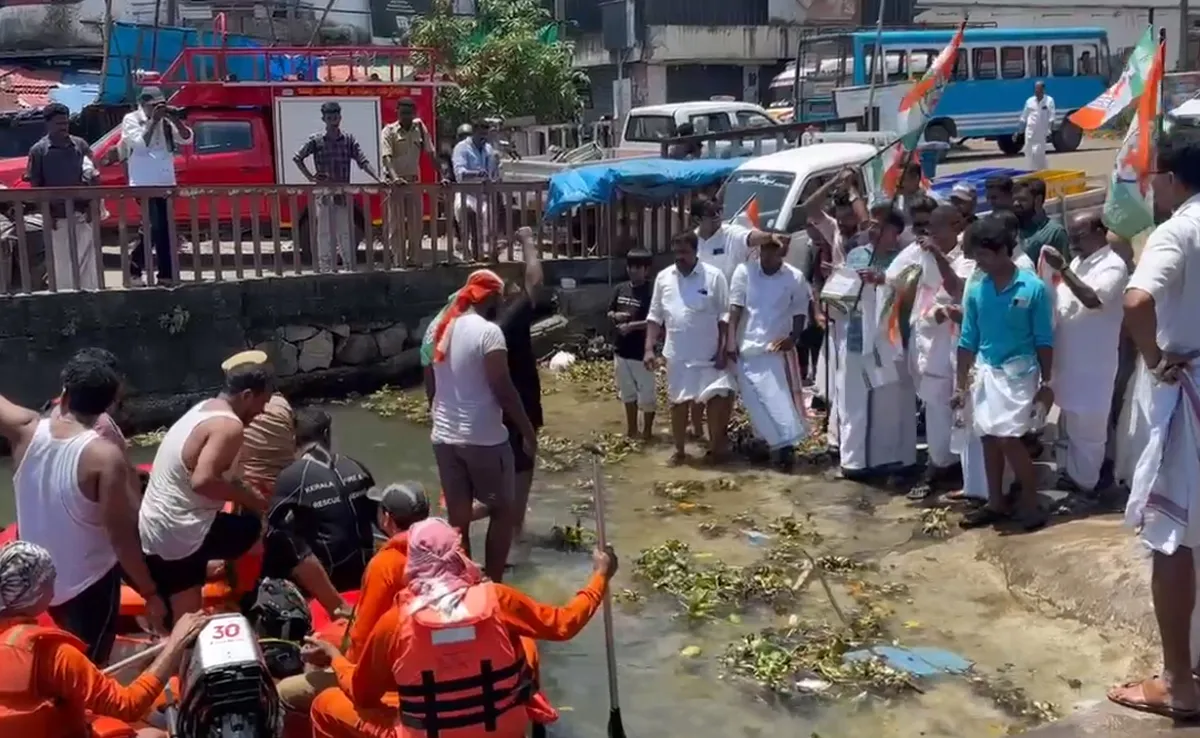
x=993, y=76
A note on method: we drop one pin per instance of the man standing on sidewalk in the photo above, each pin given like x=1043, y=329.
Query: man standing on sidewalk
x=332, y=150
x=62, y=160
x=401, y=145
x=151, y=136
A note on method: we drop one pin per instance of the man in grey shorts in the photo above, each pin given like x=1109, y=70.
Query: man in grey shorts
x=471, y=392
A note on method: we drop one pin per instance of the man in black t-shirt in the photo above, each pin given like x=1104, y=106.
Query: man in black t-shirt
x=628, y=309
x=320, y=526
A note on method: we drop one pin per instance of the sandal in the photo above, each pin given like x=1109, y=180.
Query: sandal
x=678, y=458
x=920, y=492
x=1030, y=520
x=1078, y=503
x=1155, y=704
x=982, y=517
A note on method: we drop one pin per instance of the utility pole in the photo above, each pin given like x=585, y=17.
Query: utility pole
x=1185, y=46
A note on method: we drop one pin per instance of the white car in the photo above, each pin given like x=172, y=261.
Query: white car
x=648, y=126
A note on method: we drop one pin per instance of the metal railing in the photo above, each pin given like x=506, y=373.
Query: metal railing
x=237, y=233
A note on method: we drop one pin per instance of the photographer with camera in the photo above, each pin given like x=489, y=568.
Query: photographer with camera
x=150, y=138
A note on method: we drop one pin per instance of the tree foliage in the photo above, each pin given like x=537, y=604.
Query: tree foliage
x=507, y=61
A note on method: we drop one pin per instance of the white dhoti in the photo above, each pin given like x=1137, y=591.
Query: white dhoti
x=1081, y=440
x=696, y=381
x=769, y=385
x=1002, y=399
x=936, y=393
x=77, y=227
x=1164, y=500
x=1035, y=153
x=825, y=386
x=877, y=425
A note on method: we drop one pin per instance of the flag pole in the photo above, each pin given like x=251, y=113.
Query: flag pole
x=1162, y=78
x=877, y=57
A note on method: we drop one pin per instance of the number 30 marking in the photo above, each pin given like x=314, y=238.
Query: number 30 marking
x=231, y=630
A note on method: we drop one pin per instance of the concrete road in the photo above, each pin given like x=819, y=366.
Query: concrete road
x=1094, y=157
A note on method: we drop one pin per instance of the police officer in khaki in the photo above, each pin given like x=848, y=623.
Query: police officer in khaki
x=401, y=145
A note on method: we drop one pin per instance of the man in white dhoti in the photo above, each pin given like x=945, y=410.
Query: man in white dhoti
x=1087, y=334
x=932, y=339
x=1037, y=122
x=765, y=299
x=1005, y=360
x=873, y=391
x=1162, y=315
x=691, y=300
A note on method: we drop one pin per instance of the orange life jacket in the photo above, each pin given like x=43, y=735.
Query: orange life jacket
x=22, y=711
x=460, y=676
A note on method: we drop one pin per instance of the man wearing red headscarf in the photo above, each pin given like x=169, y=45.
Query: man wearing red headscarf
x=423, y=633
x=471, y=391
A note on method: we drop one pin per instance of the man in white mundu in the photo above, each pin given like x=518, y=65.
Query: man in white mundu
x=1162, y=315
x=873, y=392
x=691, y=300
x=766, y=298
x=180, y=521
x=1037, y=121
x=933, y=335
x=1087, y=335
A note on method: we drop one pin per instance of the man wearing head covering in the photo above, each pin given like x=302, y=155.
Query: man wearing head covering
x=320, y=523
x=51, y=689
x=471, y=392
x=400, y=507
x=72, y=491
x=150, y=138
x=269, y=443
x=444, y=589
x=965, y=196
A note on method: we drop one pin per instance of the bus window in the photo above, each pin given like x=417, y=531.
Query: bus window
x=920, y=60
x=897, y=65
x=1012, y=62
x=1037, y=61
x=961, y=69
x=984, y=62
x=1087, y=60
x=1062, y=61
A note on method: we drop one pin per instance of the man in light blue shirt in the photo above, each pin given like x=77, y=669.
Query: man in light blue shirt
x=1007, y=339
x=474, y=160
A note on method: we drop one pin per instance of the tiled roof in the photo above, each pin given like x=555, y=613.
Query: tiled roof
x=30, y=86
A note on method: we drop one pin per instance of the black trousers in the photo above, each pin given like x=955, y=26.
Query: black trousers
x=160, y=238
x=91, y=615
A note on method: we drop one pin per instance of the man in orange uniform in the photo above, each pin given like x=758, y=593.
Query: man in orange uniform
x=47, y=685
x=453, y=623
x=400, y=506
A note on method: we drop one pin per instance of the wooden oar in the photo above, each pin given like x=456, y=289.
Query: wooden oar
x=616, y=727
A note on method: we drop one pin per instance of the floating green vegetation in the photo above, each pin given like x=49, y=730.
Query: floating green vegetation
x=558, y=454
x=935, y=522
x=389, y=402
x=571, y=537
x=1014, y=700
x=149, y=439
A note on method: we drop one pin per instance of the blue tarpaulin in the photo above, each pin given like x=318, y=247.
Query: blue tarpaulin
x=651, y=178
x=132, y=46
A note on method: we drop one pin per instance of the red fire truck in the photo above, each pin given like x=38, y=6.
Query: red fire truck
x=251, y=109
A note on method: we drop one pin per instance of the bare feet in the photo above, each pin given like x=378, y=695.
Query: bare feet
x=1158, y=696
x=678, y=458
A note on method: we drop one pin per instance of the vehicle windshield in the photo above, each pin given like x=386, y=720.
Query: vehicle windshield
x=653, y=128
x=779, y=95
x=769, y=189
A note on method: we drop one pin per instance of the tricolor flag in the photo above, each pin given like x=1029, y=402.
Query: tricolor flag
x=916, y=109
x=748, y=216
x=1127, y=208
x=1124, y=91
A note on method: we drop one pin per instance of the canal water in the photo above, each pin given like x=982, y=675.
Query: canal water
x=671, y=680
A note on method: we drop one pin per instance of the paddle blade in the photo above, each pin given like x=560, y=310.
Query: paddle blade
x=616, y=728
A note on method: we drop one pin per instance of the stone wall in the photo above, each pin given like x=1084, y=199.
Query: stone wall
x=328, y=335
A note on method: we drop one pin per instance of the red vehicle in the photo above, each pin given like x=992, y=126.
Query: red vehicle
x=250, y=110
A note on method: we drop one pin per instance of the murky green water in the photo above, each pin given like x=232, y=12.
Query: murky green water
x=957, y=604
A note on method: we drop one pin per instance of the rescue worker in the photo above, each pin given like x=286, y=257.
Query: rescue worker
x=400, y=507
x=446, y=589
x=1037, y=122
x=48, y=687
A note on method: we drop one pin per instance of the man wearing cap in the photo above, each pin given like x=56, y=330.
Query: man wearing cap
x=400, y=507
x=401, y=144
x=150, y=138
x=332, y=150
x=320, y=522
x=965, y=197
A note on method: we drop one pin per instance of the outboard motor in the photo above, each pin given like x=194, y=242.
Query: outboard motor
x=227, y=691
x=281, y=620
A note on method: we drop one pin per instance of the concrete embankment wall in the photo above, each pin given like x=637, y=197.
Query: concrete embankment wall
x=328, y=335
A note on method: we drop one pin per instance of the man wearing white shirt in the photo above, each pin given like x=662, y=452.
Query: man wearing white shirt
x=1162, y=302
x=1037, y=122
x=1087, y=335
x=724, y=245
x=691, y=300
x=151, y=136
x=770, y=295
